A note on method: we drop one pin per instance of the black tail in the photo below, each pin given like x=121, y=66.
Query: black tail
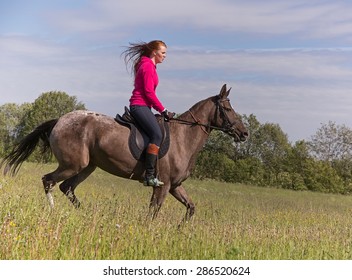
x=26, y=146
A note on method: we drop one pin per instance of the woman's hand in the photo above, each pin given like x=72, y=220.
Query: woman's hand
x=167, y=115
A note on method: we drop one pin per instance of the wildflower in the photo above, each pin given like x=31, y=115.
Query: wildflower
x=18, y=238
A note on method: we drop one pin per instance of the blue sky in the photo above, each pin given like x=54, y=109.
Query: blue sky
x=288, y=62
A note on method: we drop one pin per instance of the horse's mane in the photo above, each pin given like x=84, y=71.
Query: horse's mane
x=197, y=105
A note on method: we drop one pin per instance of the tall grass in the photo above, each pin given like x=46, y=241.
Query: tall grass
x=231, y=222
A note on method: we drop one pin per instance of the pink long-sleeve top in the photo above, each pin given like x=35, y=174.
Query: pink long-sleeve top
x=146, y=81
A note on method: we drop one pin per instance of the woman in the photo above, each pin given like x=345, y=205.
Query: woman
x=144, y=58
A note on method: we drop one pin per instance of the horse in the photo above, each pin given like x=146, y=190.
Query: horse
x=83, y=140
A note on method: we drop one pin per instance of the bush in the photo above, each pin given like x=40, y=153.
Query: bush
x=320, y=176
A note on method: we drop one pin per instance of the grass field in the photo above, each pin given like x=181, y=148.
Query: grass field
x=231, y=222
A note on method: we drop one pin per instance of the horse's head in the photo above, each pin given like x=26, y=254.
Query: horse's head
x=226, y=118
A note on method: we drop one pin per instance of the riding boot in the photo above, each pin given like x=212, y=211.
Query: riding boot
x=150, y=161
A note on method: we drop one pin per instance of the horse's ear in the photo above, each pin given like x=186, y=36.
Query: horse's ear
x=223, y=92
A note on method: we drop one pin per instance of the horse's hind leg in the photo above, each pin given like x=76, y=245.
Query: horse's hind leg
x=181, y=195
x=68, y=186
x=49, y=181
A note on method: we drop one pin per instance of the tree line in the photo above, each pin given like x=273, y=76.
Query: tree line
x=16, y=121
x=267, y=158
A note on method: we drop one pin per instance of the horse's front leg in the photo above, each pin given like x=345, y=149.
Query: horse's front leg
x=181, y=195
x=157, y=199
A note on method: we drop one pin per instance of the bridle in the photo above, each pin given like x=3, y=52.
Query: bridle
x=221, y=110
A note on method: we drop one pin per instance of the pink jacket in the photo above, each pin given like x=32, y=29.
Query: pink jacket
x=145, y=83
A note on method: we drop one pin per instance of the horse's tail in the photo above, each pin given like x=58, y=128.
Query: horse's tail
x=22, y=150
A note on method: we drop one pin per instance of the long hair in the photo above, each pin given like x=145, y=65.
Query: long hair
x=134, y=52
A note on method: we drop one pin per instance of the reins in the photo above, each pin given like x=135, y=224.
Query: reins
x=207, y=127
x=196, y=122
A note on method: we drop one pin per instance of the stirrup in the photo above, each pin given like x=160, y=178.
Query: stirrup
x=152, y=182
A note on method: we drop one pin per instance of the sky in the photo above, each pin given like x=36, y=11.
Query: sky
x=287, y=62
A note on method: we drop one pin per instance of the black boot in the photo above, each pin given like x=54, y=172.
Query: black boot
x=150, y=161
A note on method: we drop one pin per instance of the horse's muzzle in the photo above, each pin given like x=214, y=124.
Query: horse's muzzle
x=239, y=136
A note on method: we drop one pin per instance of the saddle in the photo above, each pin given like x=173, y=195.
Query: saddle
x=138, y=140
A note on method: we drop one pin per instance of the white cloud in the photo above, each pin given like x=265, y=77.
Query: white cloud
x=31, y=66
x=298, y=88
x=303, y=19
x=277, y=86
x=286, y=87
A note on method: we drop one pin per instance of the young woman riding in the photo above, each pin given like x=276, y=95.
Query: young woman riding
x=144, y=58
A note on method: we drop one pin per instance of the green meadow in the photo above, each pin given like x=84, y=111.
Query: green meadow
x=232, y=221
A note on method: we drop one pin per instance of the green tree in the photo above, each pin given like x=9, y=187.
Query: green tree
x=213, y=165
x=269, y=145
x=343, y=168
x=49, y=105
x=320, y=176
x=249, y=148
x=10, y=116
x=259, y=160
x=267, y=158
x=332, y=142
x=296, y=163
x=219, y=142
x=249, y=170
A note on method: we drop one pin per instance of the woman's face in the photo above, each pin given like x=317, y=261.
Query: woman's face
x=160, y=54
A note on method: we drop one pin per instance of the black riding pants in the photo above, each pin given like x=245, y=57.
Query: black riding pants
x=147, y=121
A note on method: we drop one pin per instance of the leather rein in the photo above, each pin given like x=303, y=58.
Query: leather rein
x=227, y=127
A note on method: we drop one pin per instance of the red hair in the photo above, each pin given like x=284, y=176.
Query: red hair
x=135, y=51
